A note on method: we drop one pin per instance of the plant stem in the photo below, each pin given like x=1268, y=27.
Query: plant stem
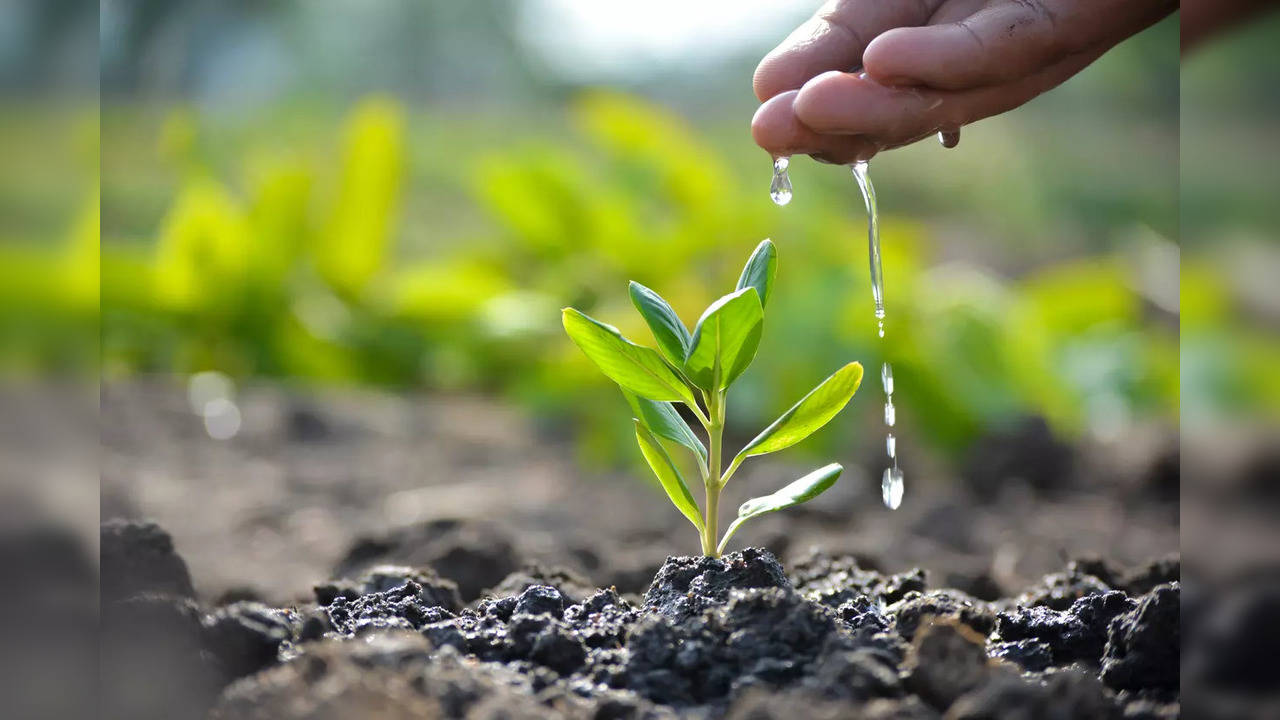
x=715, y=433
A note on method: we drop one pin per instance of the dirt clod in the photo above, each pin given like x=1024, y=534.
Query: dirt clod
x=138, y=557
x=1143, y=645
x=435, y=590
x=573, y=586
x=246, y=637
x=947, y=660
x=909, y=611
x=474, y=554
x=685, y=586
x=1077, y=634
x=836, y=580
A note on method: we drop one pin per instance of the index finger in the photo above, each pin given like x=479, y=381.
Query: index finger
x=833, y=39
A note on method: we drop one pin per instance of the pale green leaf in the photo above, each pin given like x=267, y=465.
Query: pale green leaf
x=803, y=490
x=668, y=475
x=662, y=419
x=635, y=367
x=760, y=270
x=725, y=340
x=812, y=412
x=672, y=336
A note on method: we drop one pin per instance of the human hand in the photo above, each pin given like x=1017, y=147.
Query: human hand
x=927, y=66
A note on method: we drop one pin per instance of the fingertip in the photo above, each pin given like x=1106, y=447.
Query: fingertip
x=774, y=127
x=780, y=71
x=764, y=80
x=819, y=104
x=889, y=58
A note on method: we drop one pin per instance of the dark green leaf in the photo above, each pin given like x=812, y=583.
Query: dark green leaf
x=662, y=419
x=725, y=340
x=803, y=490
x=636, y=368
x=812, y=412
x=668, y=475
x=672, y=336
x=760, y=270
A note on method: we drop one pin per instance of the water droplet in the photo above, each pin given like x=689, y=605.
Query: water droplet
x=886, y=378
x=780, y=188
x=891, y=445
x=949, y=138
x=890, y=414
x=892, y=487
x=880, y=327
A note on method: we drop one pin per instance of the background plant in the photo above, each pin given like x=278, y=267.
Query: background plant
x=472, y=255
x=703, y=365
x=1016, y=267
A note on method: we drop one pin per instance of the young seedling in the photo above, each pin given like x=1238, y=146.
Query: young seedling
x=688, y=367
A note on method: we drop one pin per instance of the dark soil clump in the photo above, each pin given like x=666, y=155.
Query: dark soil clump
x=1077, y=634
x=571, y=584
x=685, y=586
x=138, y=557
x=732, y=637
x=1143, y=647
x=475, y=555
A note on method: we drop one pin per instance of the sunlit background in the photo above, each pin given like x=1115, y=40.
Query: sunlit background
x=399, y=196
x=403, y=195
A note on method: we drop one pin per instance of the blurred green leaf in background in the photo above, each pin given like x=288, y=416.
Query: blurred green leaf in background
x=416, y=220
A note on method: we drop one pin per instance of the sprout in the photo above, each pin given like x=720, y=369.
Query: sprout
x=697, y=369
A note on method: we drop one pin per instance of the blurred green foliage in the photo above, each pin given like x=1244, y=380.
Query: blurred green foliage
x=288, y=259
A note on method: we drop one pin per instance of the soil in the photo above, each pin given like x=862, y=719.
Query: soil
x=448, y=559
x=730, y=637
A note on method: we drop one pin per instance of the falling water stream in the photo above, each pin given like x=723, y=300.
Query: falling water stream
x=891, y=484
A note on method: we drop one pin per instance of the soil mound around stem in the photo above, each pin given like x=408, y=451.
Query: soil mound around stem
x=734, y=637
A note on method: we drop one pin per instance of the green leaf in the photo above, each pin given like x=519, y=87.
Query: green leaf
x=760, y=270
x=668, y=475
x=812, y=412
x=635, y=367
x=803, y=490
x=662, y=419
x=725, y=340
x=671, y=334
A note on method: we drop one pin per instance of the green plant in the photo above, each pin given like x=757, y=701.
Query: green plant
x=703, y=364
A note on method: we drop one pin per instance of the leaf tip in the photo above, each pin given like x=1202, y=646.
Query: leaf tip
x=855, y=368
